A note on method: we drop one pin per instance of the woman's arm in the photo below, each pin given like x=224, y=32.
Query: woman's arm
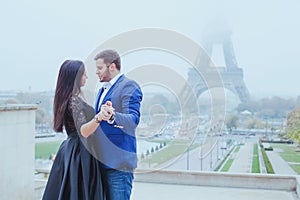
x=89, y=128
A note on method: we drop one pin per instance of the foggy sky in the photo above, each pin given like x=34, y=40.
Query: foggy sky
x=36, y=36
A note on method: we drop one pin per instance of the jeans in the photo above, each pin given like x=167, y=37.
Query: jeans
x=118, y=184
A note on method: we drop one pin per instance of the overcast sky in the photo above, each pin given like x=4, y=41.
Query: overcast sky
x=36, y=36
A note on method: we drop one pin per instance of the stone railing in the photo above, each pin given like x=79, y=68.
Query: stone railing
x=271, y=182
x=219, y=179
x=17, y=151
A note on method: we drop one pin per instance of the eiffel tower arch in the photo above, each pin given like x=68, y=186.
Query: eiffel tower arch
x=231, y=74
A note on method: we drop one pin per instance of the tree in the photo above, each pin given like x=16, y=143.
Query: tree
x=251, y=106
x=270, y=107
x=297, y=104
x=11, y=101
x=293, y=124
x=160, y=104
x=44, y=101
x=276, y=106
x=160, y=145
x=152, y=149
x=253, y=123
x=232, y=122
x=148, y=152
x=40, y=115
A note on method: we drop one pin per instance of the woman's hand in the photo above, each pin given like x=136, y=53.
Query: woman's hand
x=106, y=111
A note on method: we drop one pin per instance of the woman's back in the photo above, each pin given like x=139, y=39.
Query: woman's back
x=75, y=173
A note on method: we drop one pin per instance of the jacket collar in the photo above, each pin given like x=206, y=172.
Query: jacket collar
x=113, y=87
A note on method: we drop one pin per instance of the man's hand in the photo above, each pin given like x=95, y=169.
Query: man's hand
x=106, y=111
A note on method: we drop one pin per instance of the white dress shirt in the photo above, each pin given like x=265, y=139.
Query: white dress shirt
x=107, y=86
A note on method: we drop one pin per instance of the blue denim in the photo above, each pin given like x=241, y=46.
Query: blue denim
x=118, y=184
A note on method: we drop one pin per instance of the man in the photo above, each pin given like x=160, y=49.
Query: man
x=119, y=102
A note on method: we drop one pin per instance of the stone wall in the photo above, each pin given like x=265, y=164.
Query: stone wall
x=17, y=151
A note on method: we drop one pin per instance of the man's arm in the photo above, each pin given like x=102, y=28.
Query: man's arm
x=131, y=98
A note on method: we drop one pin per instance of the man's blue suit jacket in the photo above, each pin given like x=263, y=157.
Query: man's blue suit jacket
x=115, y=144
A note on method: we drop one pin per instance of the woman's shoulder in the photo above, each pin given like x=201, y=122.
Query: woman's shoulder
x=78, y=102
x=75, y=100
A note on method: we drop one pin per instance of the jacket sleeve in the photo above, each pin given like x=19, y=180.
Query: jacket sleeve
x=131, y=98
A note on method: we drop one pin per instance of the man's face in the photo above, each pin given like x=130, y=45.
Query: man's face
x=102, y=71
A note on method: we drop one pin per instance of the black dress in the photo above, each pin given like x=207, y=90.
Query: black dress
x=75, y=173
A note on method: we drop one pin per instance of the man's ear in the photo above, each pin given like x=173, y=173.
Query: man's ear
x=112, y=67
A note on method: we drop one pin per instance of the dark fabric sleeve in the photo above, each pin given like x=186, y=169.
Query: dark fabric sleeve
x=78, y=111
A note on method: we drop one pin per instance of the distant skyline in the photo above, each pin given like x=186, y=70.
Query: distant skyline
x=37, y=36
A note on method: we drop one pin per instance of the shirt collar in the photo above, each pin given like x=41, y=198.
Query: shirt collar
x=107, y=85
x=114, y=80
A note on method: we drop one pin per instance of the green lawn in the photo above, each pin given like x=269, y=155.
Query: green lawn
x=227, y=165
x=45, y=149
x=296, y=168
x=289, y=153
x=267, y=162
x=291, y=157
x=172, y=150
x=229, y=162
x=255, y=160
x=221, y=164
x=237, y=148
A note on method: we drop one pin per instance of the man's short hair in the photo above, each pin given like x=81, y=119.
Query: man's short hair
x=110, y=56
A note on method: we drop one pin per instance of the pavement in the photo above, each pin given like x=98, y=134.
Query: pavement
x=242, y=164
x=279, y=165
x=243, y=161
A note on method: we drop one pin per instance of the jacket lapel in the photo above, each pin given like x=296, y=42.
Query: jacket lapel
x=112, y=88
x=98, y=99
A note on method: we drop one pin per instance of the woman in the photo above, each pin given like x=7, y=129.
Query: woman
x=75, y=173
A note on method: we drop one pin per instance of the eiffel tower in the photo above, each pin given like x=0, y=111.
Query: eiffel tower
x=205, y=76
x=230, y=74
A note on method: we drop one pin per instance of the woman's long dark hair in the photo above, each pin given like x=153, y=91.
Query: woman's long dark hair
x=68, y=84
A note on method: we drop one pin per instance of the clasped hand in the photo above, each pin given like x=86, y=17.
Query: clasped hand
x=106, y=111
